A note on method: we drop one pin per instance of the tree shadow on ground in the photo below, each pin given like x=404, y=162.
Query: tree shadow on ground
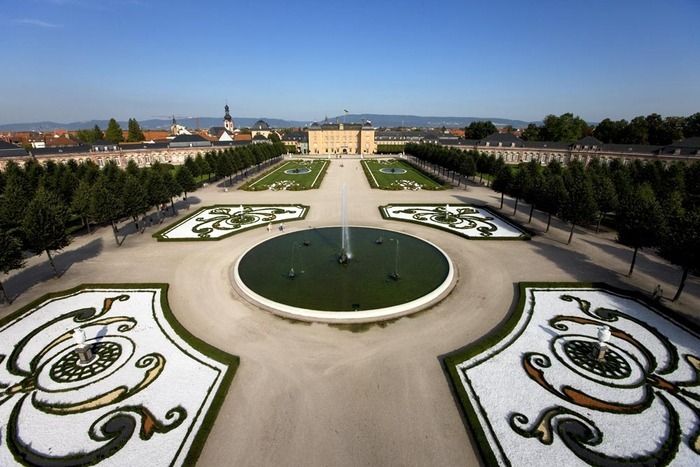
x=245, y=174
x=584, y=268
x=19, y=283
x=192, y=200
x=558, y=229
x=156, y=218
x=578, y=264
x=470, y=200
x=662, y=270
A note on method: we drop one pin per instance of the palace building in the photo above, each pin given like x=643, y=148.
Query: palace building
x=340, y=138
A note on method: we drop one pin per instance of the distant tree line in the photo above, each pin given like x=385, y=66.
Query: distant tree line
x=649, y=204
x=42, y=204
x=114, y=133
x=652, y=129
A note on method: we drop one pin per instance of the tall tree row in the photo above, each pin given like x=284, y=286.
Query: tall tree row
x=42, y=204
x=651, y=205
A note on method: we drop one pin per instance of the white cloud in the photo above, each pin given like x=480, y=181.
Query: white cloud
x=38, y=22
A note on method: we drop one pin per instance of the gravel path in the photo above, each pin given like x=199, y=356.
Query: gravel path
x=317, y=395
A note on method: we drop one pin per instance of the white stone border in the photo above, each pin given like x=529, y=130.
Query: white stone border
x=263, y=178
x=369, y=169
x=320, y=171
x=347, y=317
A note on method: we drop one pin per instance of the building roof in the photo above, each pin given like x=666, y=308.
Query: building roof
x=245, y=137
x=685, y=150
x=102, y=142
x=260, y=125
x=545, y=145
x=693, y=142
x=60, y=141
x=155, y=134
x=394, y=135
x=259, y=137
x=632, y=148
x=506, y=139
x=458, y=142
x=61, y=150
x=230, y=143
x=143, y=145
x=336, y=126
x=299, y=136
x=10, y=150
x=589, y=141
x=188, y=139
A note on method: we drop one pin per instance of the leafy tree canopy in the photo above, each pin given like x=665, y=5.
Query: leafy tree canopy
x=479, y=130
x=44, y=224
x=114, y=132
x=134, y=131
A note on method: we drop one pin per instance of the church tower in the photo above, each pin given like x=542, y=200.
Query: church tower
x=173, y=126
x=228, y=120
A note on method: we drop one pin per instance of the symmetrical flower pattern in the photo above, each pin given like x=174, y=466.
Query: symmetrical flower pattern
x=465, y=220
x=216, y=222
x=126, y=406
x=542, y=396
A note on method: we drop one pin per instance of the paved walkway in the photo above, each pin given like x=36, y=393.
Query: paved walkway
x=317, y=395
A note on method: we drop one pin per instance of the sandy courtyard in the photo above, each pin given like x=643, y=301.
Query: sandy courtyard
x=320, y=395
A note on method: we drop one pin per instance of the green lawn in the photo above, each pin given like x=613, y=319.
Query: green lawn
x=405, y=177
x=291, y=175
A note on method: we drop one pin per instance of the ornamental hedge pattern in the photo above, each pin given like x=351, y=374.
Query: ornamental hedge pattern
x=221, y=221
x=473, y=222
x=148, y=396
x=535, y=393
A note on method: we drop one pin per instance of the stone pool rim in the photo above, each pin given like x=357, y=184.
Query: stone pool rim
x=395, y=171
x=345, y=317
x=301, y=171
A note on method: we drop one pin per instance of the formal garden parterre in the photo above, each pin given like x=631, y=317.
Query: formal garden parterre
x=395, y=174
x=221, y=221
x=552, y=401
x=148, y=395
x=473, y=222
x=291, y=175
x=536, y=393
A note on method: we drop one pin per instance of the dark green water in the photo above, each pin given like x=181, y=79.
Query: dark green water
x=364, y=283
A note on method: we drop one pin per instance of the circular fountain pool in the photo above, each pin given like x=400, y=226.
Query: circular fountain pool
x=393, y=171
x=298, y=171
x=387, y=274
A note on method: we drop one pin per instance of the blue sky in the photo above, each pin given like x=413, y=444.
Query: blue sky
x=71, y=60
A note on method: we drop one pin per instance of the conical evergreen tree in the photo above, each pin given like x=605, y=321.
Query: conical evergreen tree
x=135, y=133
x=114, y=132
